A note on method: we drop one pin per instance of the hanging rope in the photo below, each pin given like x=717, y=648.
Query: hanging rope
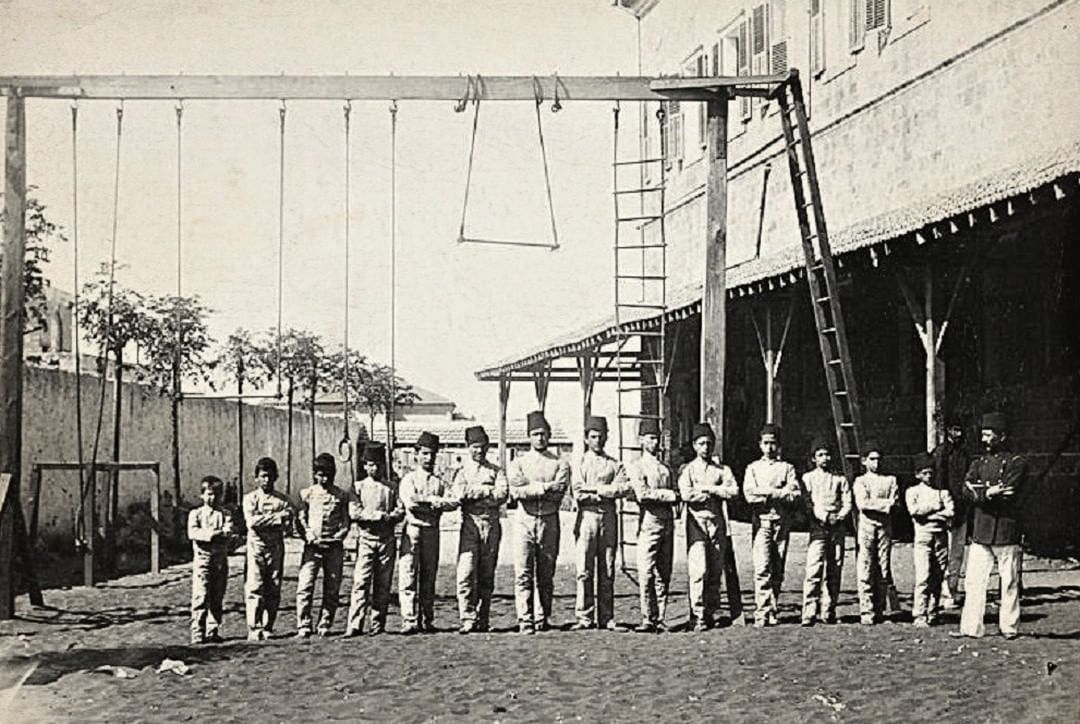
x=76, y=283
x=281, y=241
x=103, y=352
x=345, y=443
x=393, y=288
x=177, y=338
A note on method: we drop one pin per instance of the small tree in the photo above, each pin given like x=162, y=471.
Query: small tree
x=378, y=390
x=244, y=360
x=304, y=368
x=41, y=236
x=177, y=352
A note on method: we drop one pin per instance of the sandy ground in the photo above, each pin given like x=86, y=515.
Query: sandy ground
x=846, y=672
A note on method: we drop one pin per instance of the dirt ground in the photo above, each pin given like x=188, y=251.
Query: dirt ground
x=845, y=672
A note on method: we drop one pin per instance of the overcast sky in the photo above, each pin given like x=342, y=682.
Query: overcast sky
x=459, y=308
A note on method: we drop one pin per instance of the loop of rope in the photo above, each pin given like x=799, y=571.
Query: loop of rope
x=547, y=179
x=104, y=351
x=75, y=303
x=469, y=167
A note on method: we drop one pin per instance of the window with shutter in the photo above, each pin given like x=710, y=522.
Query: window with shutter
x=817, y=37
x=742, y=53
x=758, y=40
x=716, y=59
x=778, y=52
x=702, y=71
x=877, y=14
x=856, y=25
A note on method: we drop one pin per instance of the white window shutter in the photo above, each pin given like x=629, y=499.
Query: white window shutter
x=817, y=37
x=778, y=50
x=743, y=55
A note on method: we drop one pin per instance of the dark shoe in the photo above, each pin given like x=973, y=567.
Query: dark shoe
x=427, y=627
x=409, y=629
x=661, y=627
x=353, y=633
x=481, y=627
x=544, y=625
x=214, y=638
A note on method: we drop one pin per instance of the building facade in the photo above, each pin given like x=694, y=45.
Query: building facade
x=948, y=161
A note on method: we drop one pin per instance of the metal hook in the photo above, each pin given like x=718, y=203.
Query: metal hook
x=281, y=112
x=556, y=106
x=347, y=108
x=538, y=91
x=460, y=106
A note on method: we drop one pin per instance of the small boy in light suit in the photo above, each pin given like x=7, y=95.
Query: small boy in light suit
x=828, y=501
x=931, y=510
x=210, y=530
x=875, y=496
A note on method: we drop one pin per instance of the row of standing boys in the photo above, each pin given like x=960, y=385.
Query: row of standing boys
x=398, y=523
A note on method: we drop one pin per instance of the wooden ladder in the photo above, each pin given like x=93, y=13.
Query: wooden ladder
x=821, y=274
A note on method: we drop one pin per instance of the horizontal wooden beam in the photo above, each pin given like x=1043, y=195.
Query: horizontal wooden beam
x=102, y=466
x=378, y=87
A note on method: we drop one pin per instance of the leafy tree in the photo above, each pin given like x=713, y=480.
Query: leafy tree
x=244, y=360
x=41, y=236
x=178, y=351
x=380, y=387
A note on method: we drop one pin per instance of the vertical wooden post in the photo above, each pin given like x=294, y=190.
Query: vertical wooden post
x=155, y=523
x=89, y=528
x=35, y=502
x=541, y=379
x=504, y=399
x=770, y=369
x=713, y=323
x=586, y=376
x=714, y=308
x=12, y=267
x=935, y=366
x=288, y=441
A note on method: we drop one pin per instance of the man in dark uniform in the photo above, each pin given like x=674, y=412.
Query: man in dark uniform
x=951, y=462
x=994, y=486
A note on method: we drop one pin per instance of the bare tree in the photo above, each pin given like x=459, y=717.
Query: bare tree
x=248, y=360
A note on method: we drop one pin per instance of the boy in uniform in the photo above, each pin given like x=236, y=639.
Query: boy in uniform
x=827, y=498
x=267, y=514
x=210, y=530
x=482, y=489
x=994, y=485
x=425, y=498
x=771, y=487
x=538, y=480
x=931, y=510
x=704, y=485
x=656, y=496
x=375, y=508
x=324, y=523
x=875, y=496
x=597, y=481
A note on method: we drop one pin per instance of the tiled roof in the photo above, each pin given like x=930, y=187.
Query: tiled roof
x=786, y=265
x=452, y=432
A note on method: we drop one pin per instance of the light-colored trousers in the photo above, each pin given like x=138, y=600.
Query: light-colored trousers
x=930, y=551
x=418, y=562
x=770, y=545
x=328, y=559
x=655, y=552
x=873, y=565
x=595, y=538
x=209, y=576
x=957, y=553
x=373, y=575
x=980, y=563
x=824, y=560
x=262, y=584
x=478, y=555
x=706, y=546
x=536, y=549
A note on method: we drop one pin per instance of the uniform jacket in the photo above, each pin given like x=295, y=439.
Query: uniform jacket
x=375, y=507
x=653, y=486
x=425, y=497
x=875, y=496
x=266, y=515
x=210, y=530
x=481, y=487
x=538, y=480
x=704, y=486
x=596, y=481
x=771, y=487
x=930, y=508
x=825, y=493
x=994, y=520
x=324, y=513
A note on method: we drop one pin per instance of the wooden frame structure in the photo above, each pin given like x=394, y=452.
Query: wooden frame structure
x=715, y=91
x=89, y=505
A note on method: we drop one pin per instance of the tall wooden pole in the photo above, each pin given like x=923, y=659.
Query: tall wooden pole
x=12, y=267
x=504, y=399
x=713, y=308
